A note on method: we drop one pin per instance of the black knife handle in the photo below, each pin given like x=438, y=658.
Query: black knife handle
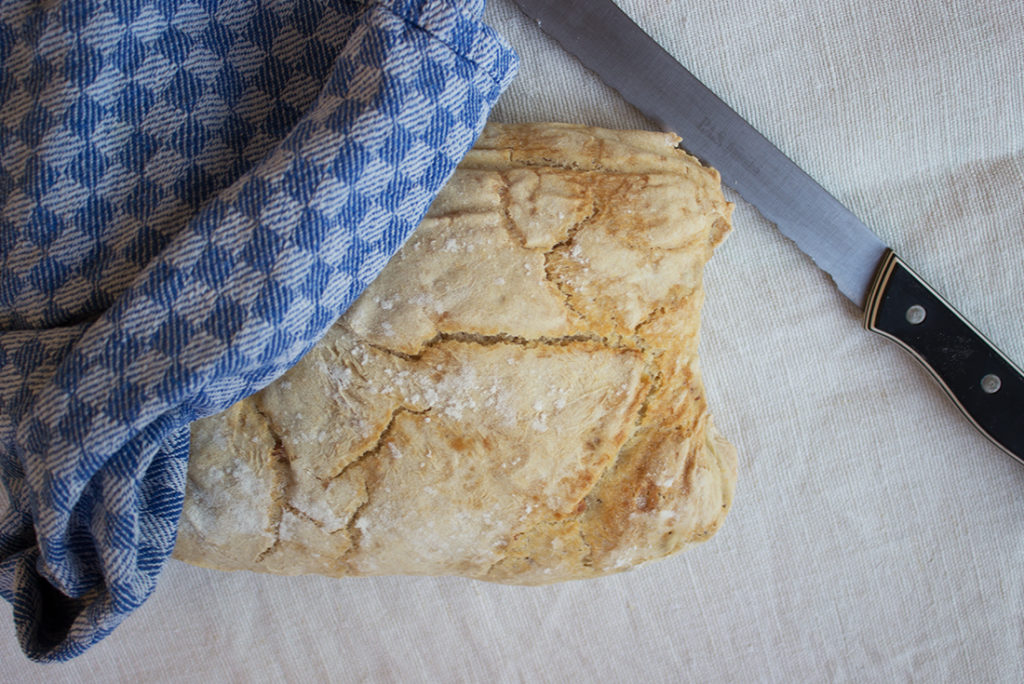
x=980, y=379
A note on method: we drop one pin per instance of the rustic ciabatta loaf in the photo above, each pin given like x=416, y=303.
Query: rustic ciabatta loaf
x=515, y=398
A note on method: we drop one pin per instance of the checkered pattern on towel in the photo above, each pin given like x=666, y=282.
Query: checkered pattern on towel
x=191, y=192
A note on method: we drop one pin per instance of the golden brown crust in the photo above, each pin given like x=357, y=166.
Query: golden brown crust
x=516, y=397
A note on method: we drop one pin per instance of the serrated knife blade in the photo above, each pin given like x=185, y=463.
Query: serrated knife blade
x=898, y=304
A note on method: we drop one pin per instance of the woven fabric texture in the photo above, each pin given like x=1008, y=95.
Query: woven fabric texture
x=191, y=192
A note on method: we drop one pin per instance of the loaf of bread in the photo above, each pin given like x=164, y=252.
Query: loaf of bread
x=515, y=398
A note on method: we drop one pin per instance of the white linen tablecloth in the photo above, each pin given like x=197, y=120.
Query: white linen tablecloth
x=875, y=535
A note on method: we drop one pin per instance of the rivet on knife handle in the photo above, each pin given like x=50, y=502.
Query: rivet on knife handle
x=983, y=383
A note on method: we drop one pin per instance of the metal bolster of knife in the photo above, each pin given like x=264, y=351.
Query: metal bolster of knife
x=980, y=379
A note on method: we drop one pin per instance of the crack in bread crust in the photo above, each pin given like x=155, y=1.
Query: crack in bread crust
x=280, y=463
x=352, y=527
x=483, y=340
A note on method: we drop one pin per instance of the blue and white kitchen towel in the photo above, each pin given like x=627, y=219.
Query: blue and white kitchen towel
x=192, y=191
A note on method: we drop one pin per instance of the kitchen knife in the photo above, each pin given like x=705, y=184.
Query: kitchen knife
x=897, y=303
